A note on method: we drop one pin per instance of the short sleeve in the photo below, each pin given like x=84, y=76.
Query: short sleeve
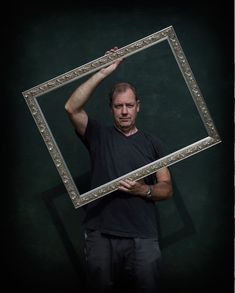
x=92, y=133
x=156, y=144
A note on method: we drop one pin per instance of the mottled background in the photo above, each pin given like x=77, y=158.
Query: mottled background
x=42, y=235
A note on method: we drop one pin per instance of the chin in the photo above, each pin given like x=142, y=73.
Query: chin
x=125, y=125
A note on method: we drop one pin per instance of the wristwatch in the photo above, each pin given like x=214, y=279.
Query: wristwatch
x=149, y=192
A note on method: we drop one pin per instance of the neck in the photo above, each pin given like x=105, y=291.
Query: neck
x=127, y=131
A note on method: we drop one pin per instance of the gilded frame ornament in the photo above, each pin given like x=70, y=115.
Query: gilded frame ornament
x=30, y=96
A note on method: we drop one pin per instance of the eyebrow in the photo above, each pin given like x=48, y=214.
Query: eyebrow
x=120, y=104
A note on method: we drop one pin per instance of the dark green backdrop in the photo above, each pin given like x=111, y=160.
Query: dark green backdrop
x=42, y=232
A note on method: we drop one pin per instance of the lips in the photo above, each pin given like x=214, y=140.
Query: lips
x=124, y=119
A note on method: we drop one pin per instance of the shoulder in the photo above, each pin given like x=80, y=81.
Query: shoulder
x=96, y=127
x=94, y=124
x=155, y=141
x=95, y=133
x=152, y=137
x=92, y=129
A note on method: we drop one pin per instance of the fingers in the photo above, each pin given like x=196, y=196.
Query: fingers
x=113, y=50
x=124, y=188
x=110, y=68
x=127, y=183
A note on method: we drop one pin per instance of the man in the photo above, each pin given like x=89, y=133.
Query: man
x=121, y=229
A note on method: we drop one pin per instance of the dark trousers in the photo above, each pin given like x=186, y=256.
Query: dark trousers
x=117, y=263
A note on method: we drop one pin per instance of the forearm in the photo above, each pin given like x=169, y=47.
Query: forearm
x=161, y=191
x=156, y=192
x=82, y=94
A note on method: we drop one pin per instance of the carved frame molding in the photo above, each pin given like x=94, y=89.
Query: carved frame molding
x=30, y=96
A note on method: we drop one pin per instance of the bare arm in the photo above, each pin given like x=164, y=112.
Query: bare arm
x=159, y=191
x=76, y=102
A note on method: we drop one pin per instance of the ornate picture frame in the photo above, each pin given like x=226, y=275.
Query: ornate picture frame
x=32, y=94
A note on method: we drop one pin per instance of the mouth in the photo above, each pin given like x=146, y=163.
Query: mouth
x=124, y=119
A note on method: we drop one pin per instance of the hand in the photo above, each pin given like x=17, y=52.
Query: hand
x=133, y=187
x=109, y=69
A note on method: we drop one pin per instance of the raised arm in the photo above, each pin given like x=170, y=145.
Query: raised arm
x=76, y=102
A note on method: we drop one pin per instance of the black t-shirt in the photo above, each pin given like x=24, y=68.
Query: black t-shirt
x=112, y=155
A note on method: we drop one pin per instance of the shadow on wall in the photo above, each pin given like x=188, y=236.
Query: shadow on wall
x=179, y=215
x=68, y=222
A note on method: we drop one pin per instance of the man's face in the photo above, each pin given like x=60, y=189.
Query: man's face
x=125, y=108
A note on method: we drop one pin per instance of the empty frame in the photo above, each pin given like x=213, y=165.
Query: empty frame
x=168, y=35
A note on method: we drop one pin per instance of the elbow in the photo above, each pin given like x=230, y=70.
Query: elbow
x=169, y=192
x=165, y=193
x=67, y=108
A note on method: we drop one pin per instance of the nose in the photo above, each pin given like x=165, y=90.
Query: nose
x=124, y=110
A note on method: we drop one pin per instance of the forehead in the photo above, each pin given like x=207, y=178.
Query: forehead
x=127, y=96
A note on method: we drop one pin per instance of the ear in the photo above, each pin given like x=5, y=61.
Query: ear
x=138, y=105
